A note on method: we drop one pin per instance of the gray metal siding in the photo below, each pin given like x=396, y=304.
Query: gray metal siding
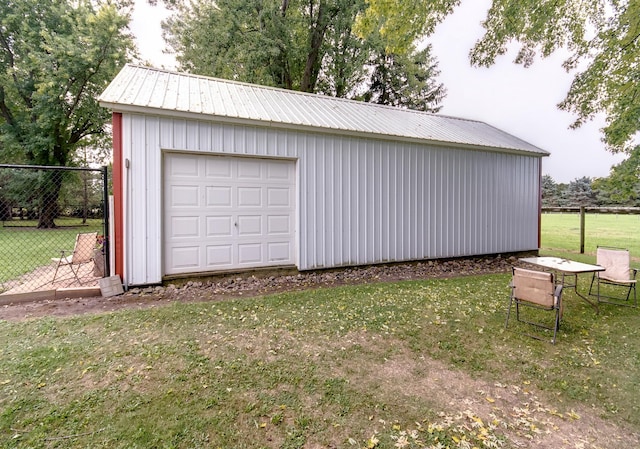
x=410, y=202
x=360, y=201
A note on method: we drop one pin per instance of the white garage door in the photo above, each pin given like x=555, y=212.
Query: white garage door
x=227, y=213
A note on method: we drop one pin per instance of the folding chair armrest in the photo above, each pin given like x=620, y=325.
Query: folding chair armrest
x=558, y=295
x=635, y=273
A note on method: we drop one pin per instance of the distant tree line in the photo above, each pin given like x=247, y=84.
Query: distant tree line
x=620, y=188
x=80, y=194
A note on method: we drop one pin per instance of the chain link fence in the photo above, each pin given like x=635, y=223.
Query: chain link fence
x=53, y=227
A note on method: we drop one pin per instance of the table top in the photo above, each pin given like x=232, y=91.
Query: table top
x=563, y=265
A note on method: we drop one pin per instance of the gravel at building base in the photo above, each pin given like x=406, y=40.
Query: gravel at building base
x=342, y=276
x=258, y=283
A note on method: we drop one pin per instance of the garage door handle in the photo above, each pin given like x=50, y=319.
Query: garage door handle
x=235, y=224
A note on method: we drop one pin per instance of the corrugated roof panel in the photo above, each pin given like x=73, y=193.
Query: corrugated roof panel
x=269, y=106
x=129, y=85
x=170, y=94
x=226, y=104
x=205, y=97
x=148, y=89
x=195, y=96
x=144, y=87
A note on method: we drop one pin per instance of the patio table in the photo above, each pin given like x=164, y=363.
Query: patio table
x=567, y=268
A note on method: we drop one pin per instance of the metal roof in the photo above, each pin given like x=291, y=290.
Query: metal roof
x=151, y=90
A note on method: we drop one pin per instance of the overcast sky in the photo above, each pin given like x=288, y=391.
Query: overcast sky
x=519, y=101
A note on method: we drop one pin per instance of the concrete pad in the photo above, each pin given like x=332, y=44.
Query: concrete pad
x=16, y=298
x=77, y=292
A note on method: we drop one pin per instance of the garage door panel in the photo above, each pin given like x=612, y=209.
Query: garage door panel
x=249, y=197
x=184, y=167
x=278, y=251
x=225, y=212
x=249, y=169
x=219, y=226
x=218, y=169
x=182, y=227
x=249, y=253
x=278, y=171
x=185, y=258
x=249, y=225
x=278, y=197
x=184, y=196
x=219, y=196
x=219, y=255
x=278, y=224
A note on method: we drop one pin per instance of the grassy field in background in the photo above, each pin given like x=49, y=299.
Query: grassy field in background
x=24, y=248
x=561, y=231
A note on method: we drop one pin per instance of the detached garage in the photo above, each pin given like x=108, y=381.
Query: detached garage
x=212, y=175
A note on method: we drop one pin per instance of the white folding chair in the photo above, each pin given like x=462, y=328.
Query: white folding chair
x=536, y=289
x=618, y=273
x=82, y=253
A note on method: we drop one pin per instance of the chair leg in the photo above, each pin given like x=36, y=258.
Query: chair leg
x=56, y=272
x=506, y=323
x=591, y=286
x=75, y=273
x=556, y=326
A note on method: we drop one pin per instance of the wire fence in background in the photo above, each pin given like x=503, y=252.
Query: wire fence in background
x=53, y=227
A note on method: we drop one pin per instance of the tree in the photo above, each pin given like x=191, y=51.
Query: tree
x=401, y=23
x=275, y=43
x=580, y=193
x=407, y=81
x=622, y=186
x=603, y=38
x=56, y=57
x=551, y=193
x=323, y=46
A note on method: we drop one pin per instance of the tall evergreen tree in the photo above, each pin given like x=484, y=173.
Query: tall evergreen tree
x=580, y=193
x=407, y=81
x=550, y=192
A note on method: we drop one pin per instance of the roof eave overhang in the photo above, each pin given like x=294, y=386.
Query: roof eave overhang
x=146, y=110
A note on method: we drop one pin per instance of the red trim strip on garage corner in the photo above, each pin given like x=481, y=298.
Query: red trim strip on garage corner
x=118, y=193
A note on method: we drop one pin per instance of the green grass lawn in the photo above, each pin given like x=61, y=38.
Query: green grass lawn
x=561, y=231
x=24, y=248
x=362, y=366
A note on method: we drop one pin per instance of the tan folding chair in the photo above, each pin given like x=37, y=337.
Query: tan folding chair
x=536, y=289
x=617, y=273
x=82, y=253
